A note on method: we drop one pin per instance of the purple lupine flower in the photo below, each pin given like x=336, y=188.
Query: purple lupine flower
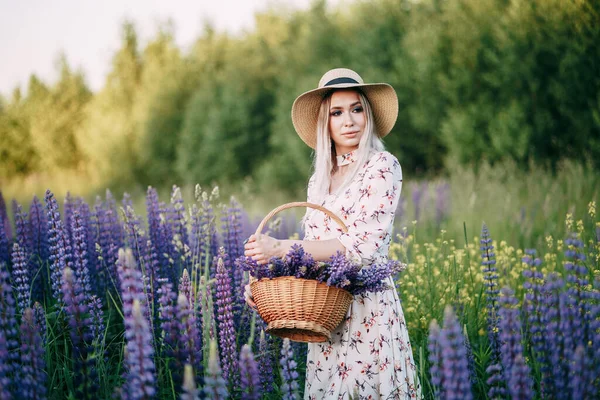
x=116, y=230
x=140, y=379
x=578, y=384
x=80, y=257
x=490, y=277
x=185, y=286
x=76, y=310
x=554, y=380
x=59, y=249
x=232, y=242
x=435, y=358
x=21, y=277
x=533, y=315
x=454, y=365
x=68, y=207
x=289, y=374
x=299, y=263
x=4, y=248
x=250, y=380
x=168, y=321
x=209, y=329
x=208, y=235
x=373, y=278
x=4, y=218
x=40, y=320
x=132, y=283
x=32, y=377
x=190, y=340
x=189, y=390
x=22, y=231
x=8, y=335
x=227, y=338
x=177, y=217
x=470, y=357
x=215, y=386
x=157, y=232
x=96, y=319
x=38, y=226
x=265, y=363
x=516, y=372
x=133, y=233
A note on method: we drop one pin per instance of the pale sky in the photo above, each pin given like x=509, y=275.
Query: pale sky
x=34, y=32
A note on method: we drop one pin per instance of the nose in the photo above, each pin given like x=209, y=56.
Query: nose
x=348, y=121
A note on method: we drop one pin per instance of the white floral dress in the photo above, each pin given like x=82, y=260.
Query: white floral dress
x=369, y=355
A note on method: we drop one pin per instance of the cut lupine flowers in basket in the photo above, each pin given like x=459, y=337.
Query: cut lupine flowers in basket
x=338, y=271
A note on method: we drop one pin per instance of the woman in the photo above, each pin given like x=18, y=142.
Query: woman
x=369, y=355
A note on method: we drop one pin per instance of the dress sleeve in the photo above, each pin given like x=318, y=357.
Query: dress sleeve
x=375, y=205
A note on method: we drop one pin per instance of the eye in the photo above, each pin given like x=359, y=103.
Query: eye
x=357, y=109
x=336, y=113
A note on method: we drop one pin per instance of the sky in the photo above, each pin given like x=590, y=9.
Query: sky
x=33, y=33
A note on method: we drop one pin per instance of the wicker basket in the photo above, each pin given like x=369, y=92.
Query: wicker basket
x=302, y=310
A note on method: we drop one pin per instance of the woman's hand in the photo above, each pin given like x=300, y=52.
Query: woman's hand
x=248, y=297
x=262, y=247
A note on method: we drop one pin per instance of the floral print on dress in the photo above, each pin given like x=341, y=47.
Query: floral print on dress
x=346, y=159
x=369, y=355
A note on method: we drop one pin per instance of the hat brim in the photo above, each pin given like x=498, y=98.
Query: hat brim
x=381, y=96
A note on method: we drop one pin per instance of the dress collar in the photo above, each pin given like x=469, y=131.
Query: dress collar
x=346, y=159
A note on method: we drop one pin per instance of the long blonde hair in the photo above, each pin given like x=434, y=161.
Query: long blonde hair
x=324, y=162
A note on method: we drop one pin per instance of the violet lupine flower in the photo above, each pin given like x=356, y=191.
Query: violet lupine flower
x=168, y=321
x=190, y=340
x=454, y=363
x=435, y=358
x=470, y=357
x=134, y=236
x=177, y=216
x=490, y=277
x=97, y=319
x=9, y=344
x=76, y=310
x=516, y=372
x=22, y=232
x=265, y=363
x=4, y=217
x=132, y=284
x=157, y=233
x=40, y=320
x=208, y=236
x=209, y=329
x=116, y=230
x=299, y=263
x=553, y=380
x=289, y=374
x=21, y=277
x=80, y=257
x=185, y=286
x=140, y=376
x=68, y=207
x=215, y=386
x=59, y=249
x=189, y=390
x=4, y=251
x=32, y=377
x=532, y=314
x=578, y=384
x=250, y=380
x=38, y=226
x=227, y=338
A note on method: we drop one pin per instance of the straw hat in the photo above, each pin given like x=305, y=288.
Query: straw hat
x=382, y=97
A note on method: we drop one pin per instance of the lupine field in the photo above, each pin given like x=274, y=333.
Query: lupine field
x=115, y=300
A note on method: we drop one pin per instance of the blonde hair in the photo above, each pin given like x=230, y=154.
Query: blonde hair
x=324, y=162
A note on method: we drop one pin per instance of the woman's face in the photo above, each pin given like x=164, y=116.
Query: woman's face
x=346, y=120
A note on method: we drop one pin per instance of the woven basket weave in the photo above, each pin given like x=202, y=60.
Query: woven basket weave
x=302, y=310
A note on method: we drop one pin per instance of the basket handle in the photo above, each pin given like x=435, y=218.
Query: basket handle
x=300, y=204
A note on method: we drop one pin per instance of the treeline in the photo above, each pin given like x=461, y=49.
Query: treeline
x=476, y=80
